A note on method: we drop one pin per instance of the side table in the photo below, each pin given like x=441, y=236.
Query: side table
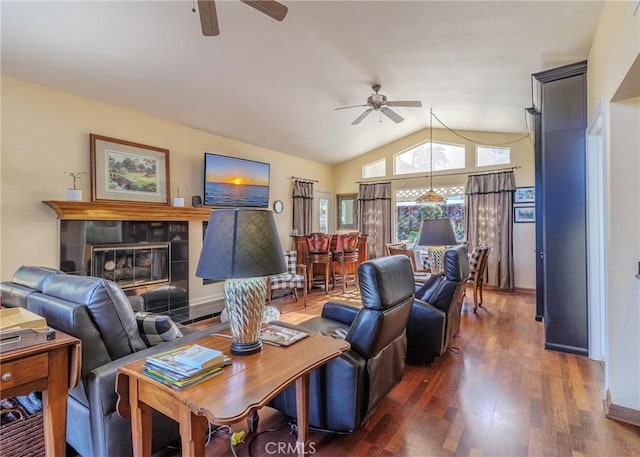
x=231, y=396
x=52, y=367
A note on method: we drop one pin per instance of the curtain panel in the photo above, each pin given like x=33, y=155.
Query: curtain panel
x=374, y=216
x=302, y=197
x=489, y=222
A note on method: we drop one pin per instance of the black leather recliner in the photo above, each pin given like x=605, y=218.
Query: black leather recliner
x=435, y=314
x=344, y=392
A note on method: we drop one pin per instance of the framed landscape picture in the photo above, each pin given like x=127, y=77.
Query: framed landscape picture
x=126, y=171
x=524, y=195
x=524, y=214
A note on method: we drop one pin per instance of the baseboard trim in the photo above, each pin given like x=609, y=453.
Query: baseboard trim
x=620, y=413
x=564, y=348
x=520, y=290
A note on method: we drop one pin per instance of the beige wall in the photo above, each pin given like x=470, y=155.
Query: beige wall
x=46, y=132
x=615, y=48
x=347, y=174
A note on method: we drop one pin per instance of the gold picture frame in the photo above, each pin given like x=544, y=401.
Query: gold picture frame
x=127, y=171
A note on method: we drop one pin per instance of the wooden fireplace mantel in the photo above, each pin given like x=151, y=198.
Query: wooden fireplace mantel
x=126, y=211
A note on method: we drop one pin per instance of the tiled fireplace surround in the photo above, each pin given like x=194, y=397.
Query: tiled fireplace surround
x=144, y=248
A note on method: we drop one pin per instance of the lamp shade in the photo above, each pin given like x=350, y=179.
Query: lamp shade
x=436, y=232
x=240, y=243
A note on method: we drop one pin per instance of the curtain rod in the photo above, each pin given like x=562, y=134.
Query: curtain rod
x=303, y=179
x=468, y=173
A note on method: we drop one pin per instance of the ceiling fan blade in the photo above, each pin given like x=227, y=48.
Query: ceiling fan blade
x=395, y=117
x=362, y=116
x=347, y=107
x=409, y=104
x=208, y=17
x=269, y=7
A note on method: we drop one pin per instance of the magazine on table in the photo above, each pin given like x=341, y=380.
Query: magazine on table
x=169, y=361
x=281, y=336
x=201, y=357
x=165, y=378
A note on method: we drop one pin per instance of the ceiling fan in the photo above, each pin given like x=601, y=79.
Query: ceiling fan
x=377, y=102
x=209, y=18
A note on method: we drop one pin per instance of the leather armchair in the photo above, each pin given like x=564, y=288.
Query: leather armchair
x=98, y=313
x=435, y=314
x=344, y=392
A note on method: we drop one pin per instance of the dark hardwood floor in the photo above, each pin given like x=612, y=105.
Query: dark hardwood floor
x=496, y=393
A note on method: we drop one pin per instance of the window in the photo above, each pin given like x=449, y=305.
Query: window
x=375, y=169
x=487, y=156
x=410, y=214
x=323, y=215
x=418, y=159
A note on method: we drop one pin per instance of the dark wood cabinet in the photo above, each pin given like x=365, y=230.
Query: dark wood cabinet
x=561, y=234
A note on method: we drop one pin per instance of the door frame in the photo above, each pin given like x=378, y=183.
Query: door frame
x=597, y=234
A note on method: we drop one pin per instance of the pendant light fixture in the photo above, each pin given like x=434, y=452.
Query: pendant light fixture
x=431, y=196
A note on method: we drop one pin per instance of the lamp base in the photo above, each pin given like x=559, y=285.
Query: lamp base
x=244, y=299
x=246, y=348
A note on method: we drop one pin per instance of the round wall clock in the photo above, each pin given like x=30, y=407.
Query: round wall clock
x=278, y=206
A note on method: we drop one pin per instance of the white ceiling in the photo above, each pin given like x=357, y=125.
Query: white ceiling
x=275, y=84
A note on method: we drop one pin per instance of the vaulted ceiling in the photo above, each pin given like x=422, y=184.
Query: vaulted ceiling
x=276, y=84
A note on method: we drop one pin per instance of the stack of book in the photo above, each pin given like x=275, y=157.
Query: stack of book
x=184, y=366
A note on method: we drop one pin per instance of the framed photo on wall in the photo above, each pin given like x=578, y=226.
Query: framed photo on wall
x=347, y=211
x=524, y=195
x=524, y=214
x=126, y=171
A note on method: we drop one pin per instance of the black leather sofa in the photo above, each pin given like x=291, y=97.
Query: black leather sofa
x=344, y=392
x=435, y=314
x=98, y=313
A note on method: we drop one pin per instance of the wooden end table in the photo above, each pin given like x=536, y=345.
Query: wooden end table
x=229, y=397
x=52, y=367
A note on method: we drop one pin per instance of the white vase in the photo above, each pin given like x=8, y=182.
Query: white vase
x=74, y=195
x=178, y=201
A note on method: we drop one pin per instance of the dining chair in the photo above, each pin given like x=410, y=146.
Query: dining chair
x=478, y=265
x=420, y=274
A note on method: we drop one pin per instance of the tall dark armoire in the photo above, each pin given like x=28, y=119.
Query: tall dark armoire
x=560, y=120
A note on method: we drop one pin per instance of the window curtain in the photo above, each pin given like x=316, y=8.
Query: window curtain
x=302, y=206
x=490, y=221
x=374, y=216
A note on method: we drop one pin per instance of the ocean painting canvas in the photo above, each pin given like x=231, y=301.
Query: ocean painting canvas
x=234, y=182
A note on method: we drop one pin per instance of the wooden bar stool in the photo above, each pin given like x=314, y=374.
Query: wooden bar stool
x=345, y=259
x=318, y=254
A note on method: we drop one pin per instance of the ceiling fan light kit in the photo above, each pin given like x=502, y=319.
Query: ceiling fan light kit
x=379, y=102
x=209, y=16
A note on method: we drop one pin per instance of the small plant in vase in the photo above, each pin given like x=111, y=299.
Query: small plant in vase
x=75, y=194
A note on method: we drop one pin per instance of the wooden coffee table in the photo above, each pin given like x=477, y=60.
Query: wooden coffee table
x=234, y=395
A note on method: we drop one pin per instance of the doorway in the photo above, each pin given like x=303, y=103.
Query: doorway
x=322, y=211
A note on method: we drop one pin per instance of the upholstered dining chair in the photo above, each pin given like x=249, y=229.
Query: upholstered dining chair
x=478, y=265
x=318, y=259
x=293, y=279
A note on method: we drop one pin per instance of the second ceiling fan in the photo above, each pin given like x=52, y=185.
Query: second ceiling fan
x=209, y=17
x=378, y=102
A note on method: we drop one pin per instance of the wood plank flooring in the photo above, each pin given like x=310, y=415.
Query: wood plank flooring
x=496, y=393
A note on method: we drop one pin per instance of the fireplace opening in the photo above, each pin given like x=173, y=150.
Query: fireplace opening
x=131, y=265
